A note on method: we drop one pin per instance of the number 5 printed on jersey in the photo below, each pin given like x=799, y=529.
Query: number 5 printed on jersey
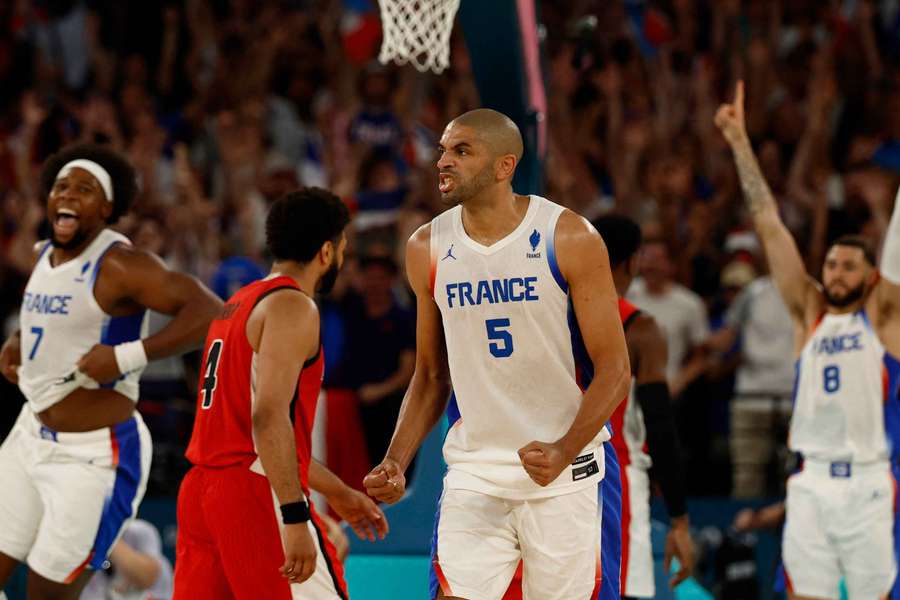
x=501, y=345
x=209, y=378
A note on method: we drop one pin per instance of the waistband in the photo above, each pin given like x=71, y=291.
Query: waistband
x=844, y=469
x=31, y=425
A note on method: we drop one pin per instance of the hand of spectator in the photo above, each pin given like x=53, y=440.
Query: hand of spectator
x=11, y=358
x=386, y=482
x=730, y=117
x=364, y=517
x=33, y=111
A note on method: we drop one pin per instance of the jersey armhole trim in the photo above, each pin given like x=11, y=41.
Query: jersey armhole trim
x=432, y=255
x=630, y=319
x=309, y=361
x=551, y=250
x=43, y=251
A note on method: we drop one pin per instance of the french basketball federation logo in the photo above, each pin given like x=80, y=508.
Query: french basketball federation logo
x=534, y=239
x=84, y=269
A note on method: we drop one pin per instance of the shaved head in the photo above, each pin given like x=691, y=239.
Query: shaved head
x=495, y=129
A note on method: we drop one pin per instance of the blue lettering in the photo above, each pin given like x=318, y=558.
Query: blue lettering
x=450, y=294
x=501, y=291
x=45, y=304
x=484, y=291
x=530, y=293
x=492, y=291
x=513, y=295
x=465, y=291
x=839, y=343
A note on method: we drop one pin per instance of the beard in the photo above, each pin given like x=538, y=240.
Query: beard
x=847, y=299
x=79, y=238
x=327, y=281
x=468, y=189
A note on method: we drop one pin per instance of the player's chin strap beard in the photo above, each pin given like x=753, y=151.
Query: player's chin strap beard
x=848, y=299
x=77, y=240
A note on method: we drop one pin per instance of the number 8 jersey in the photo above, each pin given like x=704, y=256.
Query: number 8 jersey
x=844, y=381
x=223, y=426
x=516, y=358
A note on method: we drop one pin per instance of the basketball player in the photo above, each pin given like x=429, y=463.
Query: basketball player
x=642, y=423
x=74, y=468
x=516, y=305
x=644, y=431
x=251, y=446
x=840, y=505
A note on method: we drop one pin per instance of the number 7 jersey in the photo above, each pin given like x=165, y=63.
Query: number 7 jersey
x=223, y=425
x=516, y=358
x=846, y=393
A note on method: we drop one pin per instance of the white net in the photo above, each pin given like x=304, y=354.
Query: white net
x=417, y=32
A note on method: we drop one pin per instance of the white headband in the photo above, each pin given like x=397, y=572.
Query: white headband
x=99, y=173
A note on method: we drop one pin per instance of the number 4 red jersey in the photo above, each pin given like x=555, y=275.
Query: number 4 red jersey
x=223, y=426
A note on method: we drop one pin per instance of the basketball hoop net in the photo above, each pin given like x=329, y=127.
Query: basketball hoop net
x=417, y=32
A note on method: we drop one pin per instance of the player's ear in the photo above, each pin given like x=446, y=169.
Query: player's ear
x=505, y=166
x=106, y=210
x=326, y=253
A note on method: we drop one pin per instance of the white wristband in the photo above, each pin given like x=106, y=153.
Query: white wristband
x=130, y=356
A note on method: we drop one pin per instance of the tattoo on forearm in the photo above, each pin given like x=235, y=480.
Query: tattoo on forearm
x=756, y=191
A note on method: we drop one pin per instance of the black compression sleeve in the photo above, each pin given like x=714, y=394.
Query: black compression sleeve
x=662, y=442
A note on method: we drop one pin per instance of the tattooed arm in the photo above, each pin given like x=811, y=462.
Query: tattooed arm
x=784, y=258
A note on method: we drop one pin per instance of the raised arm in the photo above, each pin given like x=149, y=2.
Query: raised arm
x=131, y=279
x=787, y=267
x=584, y=263
x=429, y=389
x=887, y=292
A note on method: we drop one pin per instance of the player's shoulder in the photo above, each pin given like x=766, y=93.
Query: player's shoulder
x=288, y=301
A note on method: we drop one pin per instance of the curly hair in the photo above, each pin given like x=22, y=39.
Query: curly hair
x=301, y=221
x=123, y=175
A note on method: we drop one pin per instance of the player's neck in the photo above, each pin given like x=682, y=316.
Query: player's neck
x=490, y=218
x=59, y=256
x=303, y=276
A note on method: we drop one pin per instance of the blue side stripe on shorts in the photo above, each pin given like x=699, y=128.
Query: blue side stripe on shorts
x=433, y=585
x=118, y=507
x=610, y=491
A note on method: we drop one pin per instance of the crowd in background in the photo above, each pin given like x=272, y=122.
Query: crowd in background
x=224, y=105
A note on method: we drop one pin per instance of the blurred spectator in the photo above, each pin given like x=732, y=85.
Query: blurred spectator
x=379, y=351
x=137, y=568
x=679, y=311
x=762, y=403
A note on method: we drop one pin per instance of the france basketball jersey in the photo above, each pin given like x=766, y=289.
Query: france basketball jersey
x=60, y=321
x=845, y=394
x=515, y=354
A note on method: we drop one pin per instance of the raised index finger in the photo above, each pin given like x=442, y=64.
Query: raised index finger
x=739, y=95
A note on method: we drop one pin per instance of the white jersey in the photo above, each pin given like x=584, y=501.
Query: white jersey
x=60, y=321
x=514, y=352
x=843, y=377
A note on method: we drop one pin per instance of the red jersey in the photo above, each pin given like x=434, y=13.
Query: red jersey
x=627, y=312
x=223, y=426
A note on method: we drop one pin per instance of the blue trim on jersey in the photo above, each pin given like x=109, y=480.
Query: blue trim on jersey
x=44, y=250
x=895, y=473
x=433, y=585
x=452, y=411
x=98, y=262
x=609, y=492
x=117, y=330
x=865, y=317
x=118, y=506
x=797, y=365
x=551, y=258
x=583, y=363
x=892, y=404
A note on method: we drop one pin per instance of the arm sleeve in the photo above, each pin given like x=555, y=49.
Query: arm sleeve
x=662, y=442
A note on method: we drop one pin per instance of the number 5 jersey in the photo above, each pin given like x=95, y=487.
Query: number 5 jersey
x=517, y=361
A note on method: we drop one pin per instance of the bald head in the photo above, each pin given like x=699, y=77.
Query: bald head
x=495, y=129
